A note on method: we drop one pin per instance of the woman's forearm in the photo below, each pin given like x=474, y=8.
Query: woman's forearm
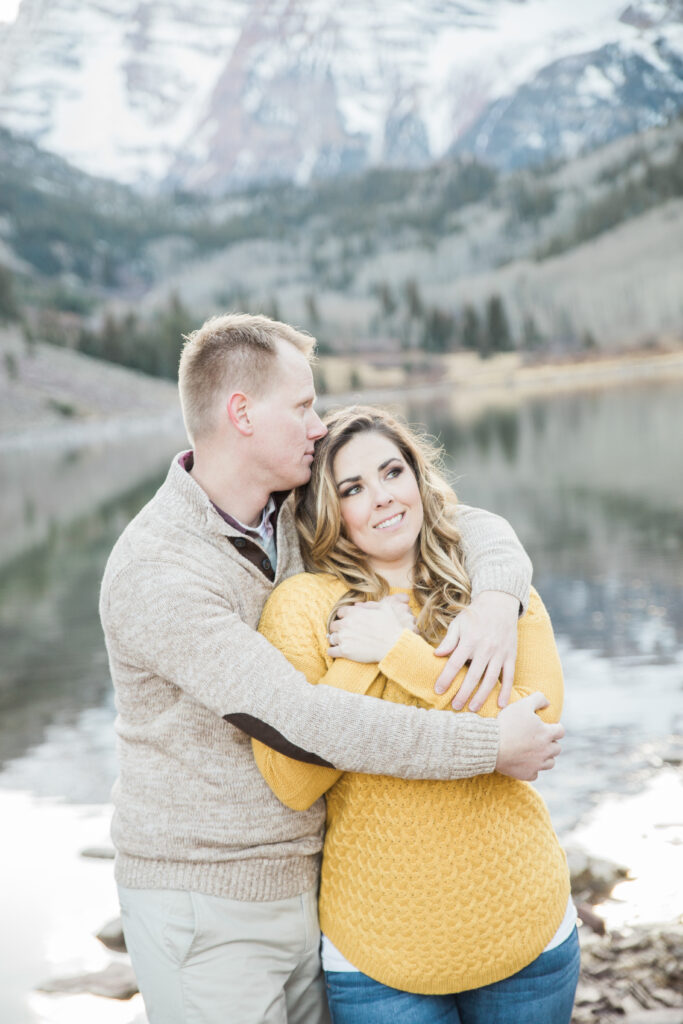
x=412, y=664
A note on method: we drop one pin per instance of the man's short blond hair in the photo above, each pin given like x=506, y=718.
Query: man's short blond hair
x=233, y=352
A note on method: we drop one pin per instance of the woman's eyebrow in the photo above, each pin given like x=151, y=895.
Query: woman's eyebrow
x=382, y=465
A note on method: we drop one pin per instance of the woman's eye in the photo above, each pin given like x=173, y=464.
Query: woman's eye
x=351, y=490
x=394, y=472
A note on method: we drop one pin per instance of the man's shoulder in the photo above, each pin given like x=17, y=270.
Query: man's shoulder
x=159, y=541
x=146, y=533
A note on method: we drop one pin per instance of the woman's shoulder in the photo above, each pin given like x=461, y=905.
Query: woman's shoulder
x=312, y=582
x=299, y=606
x=536, y=610
x=305, y=587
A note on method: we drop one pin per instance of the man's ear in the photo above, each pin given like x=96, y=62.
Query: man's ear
x=238, y=411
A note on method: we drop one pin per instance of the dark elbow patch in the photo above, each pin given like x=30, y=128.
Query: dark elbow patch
x=270, y=737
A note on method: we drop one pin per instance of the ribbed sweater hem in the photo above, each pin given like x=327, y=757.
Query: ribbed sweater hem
x=442, y=984
x=257, y=879
x=504, y=579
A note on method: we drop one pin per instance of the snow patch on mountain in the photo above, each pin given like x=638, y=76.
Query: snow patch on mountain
x=112, y=86
x=209, y=95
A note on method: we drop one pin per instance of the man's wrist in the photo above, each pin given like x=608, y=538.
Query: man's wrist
x=481, y=596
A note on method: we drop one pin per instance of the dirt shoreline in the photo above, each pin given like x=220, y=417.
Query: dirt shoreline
x=507, y=379
x=55, y=397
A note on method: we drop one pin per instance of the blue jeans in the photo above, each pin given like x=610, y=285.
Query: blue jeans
x=541, y=993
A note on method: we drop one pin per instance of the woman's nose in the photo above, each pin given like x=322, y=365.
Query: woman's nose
x=382, y=496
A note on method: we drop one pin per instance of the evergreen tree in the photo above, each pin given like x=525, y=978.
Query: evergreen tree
x=11, y=366
x=470, y=331
x=9, y=309
x=171, y=324
x=111, y=340
x=152, y=346
x=411, y=293
x=497, y=326
x=439, y=330
x=386, y=297
x=312, y=310
x=271, y=308
x=410, y=334
x=321, y=385
x=532, y=338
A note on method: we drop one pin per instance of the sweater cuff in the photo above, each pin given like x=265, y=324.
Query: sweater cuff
x=412, y=664
x=352, y=676
x=501, y=578
x=476, y=747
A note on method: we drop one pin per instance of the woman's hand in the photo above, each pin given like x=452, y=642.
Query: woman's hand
x=366, y=631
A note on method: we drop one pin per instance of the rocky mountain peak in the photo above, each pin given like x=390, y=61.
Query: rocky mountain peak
x=210, y=96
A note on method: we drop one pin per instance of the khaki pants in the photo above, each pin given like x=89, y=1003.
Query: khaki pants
x=207, y=960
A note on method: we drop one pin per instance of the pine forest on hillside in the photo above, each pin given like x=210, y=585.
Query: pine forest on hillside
x=391, y=261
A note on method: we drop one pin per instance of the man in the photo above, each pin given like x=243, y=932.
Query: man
x=217, y=879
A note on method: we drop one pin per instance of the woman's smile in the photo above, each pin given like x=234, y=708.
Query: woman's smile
x=394, y=520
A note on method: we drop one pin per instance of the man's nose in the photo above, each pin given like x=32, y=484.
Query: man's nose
x=316, y=427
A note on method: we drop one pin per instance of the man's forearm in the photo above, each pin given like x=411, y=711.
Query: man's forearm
x=174, y=634
x=493, y=556
x=387, y=739
x=355, y=729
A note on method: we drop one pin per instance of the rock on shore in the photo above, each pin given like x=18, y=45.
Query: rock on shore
x=116, y=981
x=111, y=936
x=634, y=978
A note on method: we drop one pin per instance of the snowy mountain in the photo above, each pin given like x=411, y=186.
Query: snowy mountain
x=208, y=95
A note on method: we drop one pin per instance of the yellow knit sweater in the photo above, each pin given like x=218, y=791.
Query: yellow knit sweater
x=429, y=887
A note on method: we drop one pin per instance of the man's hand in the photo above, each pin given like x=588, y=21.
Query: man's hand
x=527, y=744
x=485, y=634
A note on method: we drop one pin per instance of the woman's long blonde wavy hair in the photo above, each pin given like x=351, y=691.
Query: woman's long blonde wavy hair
x=440, y=583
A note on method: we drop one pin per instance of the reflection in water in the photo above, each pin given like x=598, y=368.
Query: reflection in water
x=643, y=619
x=493, y=428
x=592, y=484
x=46, y=488
x=645, y=825
x=52, y=910
x=53, y=662
x=594, y=487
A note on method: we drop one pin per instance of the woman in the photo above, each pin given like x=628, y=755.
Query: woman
x=439, y=901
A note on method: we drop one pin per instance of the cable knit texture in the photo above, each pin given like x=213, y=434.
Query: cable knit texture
x=180, y=606
x=430, y=887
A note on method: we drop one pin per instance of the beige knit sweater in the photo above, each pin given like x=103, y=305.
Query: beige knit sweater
x=181, y=599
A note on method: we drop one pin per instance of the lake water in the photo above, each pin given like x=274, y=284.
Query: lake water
x=593, y=483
